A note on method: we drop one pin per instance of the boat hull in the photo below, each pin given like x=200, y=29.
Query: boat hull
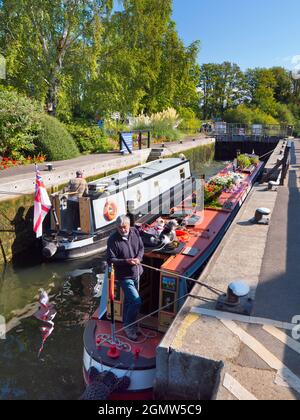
x=143, y=371
x=136, y=360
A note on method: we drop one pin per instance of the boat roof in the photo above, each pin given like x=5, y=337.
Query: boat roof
x=134, y=175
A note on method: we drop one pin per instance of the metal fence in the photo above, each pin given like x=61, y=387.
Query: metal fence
x=134, y=140
x=256, y=130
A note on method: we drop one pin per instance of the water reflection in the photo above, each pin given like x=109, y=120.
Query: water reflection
x=73, y=290
x=46, y=313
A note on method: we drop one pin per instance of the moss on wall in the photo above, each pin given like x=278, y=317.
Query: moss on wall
x=16, y=221
x=200, y=154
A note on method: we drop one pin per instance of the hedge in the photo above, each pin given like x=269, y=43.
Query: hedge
x=54, y=140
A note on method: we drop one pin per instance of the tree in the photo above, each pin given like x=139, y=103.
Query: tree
x=130, y=62
x=284, y=85
x=19, y=123
x=43, y=40
x=223, y=86
x=246, y=115
x=262, y=84
x=240, y=115
x=176, y=85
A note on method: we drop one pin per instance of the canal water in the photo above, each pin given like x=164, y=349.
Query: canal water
x=55, y=373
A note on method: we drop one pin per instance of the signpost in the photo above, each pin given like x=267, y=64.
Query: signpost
x=126, y=143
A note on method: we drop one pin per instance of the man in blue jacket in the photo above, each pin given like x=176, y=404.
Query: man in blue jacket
x=125, y=250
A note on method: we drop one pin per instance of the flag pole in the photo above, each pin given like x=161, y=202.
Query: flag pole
x=42, y=203
x=113, y=352
x=111, y=278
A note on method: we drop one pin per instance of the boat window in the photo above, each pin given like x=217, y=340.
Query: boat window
x=182, y=173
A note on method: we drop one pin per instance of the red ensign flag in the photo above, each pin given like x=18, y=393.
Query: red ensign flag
x=42, y=205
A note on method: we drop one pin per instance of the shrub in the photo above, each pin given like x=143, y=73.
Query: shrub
x=54, y=140
x=168, y=116
x=163, y=125
x=240, y=115
x=89, y=138
x=19, y=123
x=113, y=127
x=243, y=161
x=284, y=115
x=142, y=122
x=189, y=122
x=245, y=115
x=260, y=117
x=254, y=160
x=162, y=131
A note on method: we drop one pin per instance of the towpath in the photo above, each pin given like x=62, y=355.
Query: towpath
x=21, y=179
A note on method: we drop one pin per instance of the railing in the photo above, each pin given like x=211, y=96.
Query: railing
x=286, y=162
x=255, y=130
x=280, y=169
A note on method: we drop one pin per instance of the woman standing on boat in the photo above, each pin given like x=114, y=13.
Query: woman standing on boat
x=125, y=250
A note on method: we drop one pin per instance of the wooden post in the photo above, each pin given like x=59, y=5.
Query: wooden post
x=56, y=214
x=149, y=140
x=120, y=141
x=85, y=214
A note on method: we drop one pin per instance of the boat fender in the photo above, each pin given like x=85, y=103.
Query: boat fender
x=103, y=384
x=49, y=250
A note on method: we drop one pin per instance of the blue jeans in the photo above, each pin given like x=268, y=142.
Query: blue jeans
x=132, y=301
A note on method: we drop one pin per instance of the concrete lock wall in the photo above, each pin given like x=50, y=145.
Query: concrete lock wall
x=185, y=376
x=16, y=221
x=227, y=147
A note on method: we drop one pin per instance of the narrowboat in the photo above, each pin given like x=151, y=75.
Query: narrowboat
x=80, y=227
x=164, y=285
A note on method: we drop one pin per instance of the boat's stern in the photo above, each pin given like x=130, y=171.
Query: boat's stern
x=135, y=360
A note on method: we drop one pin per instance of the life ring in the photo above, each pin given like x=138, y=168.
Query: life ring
x=182, y=236
x=110, y=211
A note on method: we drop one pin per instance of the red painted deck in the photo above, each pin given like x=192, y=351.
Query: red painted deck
x=203, y=234
x=146, y=344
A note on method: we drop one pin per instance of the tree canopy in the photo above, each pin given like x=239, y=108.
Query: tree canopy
x=87, y=59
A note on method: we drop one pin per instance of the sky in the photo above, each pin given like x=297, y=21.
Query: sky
x=251, y=33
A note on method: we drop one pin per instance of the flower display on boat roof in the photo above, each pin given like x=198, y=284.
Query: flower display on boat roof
x=227, y=180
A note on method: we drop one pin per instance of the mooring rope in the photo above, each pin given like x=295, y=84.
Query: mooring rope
x=165, y=307
x=266, y=154
x=211, y=288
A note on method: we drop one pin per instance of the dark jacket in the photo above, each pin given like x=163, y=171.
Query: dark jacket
x=120, y=250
